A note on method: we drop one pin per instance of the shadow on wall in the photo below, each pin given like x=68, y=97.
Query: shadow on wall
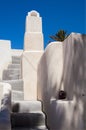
x=74, y=52
x=72, y=77
x=74, y=74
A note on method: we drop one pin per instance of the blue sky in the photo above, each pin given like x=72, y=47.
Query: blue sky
x=69, y=15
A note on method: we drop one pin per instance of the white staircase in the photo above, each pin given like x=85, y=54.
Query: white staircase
x=13, y=76
x=26, y=115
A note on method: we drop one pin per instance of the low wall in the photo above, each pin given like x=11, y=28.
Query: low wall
x=5, y=55
x=5, y=107
x=63, y=66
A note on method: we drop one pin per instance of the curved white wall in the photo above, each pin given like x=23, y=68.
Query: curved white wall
x=50, y=70
x=63, y=66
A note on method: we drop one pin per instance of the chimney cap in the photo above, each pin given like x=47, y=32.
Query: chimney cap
x=33, y=13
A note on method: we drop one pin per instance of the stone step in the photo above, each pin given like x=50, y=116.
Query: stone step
x=14, y=66
x=16, y=60
x=17, y=95
x=31, y=115
x=27, y=129
x=11, y=74
x=15, y=84
x=28, y=106
x=28, y=120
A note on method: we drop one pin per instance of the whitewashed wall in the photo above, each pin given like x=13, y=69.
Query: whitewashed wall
x=63, y=66
x=33, y=50
x=30, y=60
x=50, y=70
x=5, y=55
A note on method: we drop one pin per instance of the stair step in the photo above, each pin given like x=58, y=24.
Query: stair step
x=11, y=74
x=27, y=129
x=14, y=66
x=17, y=95
x=15, y=84
x=29, y=120
x=28, y=106
x=16, y=59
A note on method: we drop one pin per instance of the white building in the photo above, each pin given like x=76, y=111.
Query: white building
x=37, y=74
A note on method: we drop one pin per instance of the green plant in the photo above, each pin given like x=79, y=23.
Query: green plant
x=61, y=35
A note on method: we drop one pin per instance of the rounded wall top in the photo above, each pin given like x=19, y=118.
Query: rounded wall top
x=33, y=13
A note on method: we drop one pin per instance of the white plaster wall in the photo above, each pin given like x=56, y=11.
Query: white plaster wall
x=33, y=41
x=50, y=70
x=33, y=50
x=74, y=52
x=30, y=62
x=5, y=55
x=63, y=65
x=33, y=22
x=65, y=115
x=16, y=52
x=75, y=69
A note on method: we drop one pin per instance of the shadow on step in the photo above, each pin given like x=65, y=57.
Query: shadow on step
x=28, y=120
